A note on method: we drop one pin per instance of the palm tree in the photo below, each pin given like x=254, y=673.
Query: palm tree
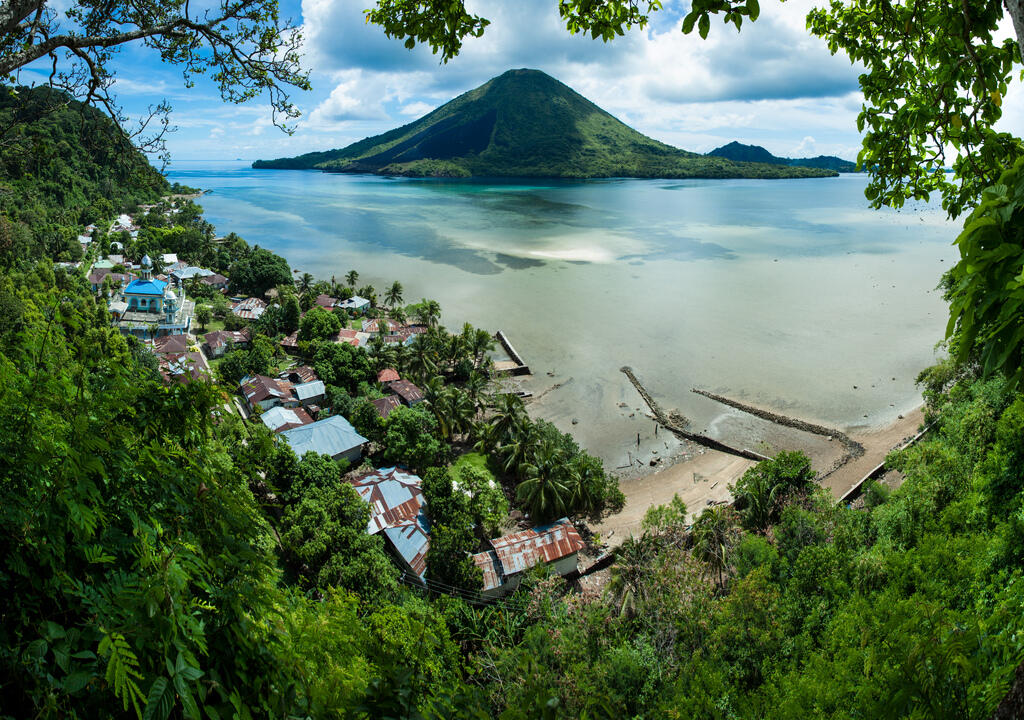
x=756, y=498
x=714, y=536
x=480, y=342
x=421, y=360
x=474, y=387
x=452, y=408
x=632, y=566
x=305, y=283
x=546, y=487
x=398, y=315
x=509, y=416
x=351, y=277
x=429, y=312
x=393, y=296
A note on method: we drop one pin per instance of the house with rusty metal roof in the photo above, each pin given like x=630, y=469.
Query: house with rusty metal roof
x=251, y=308
x=216, y=281
x=375, y=325
x=266, y=392
x=299, y=374
x=183, y=367
x=397, y=510
x=410, y=394
x=557, y=544
x=386, y=405
x=217, y=341
x=172, y=344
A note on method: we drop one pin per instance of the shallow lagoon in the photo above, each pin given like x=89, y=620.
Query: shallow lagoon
x=786, y=293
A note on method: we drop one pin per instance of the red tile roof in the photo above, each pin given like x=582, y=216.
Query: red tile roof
x=388, y=375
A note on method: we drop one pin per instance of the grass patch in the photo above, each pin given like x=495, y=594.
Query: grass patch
x=478, y=460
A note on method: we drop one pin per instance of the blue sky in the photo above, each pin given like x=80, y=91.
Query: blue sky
x=772, y=85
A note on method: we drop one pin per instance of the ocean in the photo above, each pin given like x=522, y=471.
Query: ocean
x=791, y=294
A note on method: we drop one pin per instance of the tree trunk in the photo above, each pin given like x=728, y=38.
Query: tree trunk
x=1015, y=9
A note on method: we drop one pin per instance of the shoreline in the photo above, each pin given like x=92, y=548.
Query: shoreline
x=703, y=478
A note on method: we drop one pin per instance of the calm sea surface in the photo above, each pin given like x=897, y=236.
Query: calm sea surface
x=787, y=293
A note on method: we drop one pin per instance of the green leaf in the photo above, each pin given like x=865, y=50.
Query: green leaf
x=76, y=681
x=160, y=701
x=704, y=26
x=754, y=9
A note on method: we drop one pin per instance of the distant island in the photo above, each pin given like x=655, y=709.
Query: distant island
x=738, y=152
x=525, y=123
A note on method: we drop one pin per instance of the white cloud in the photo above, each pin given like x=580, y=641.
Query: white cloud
x=416, y=109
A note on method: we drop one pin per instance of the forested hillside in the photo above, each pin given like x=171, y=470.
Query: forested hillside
x=63, y=165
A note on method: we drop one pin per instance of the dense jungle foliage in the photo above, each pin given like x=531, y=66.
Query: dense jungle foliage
x=62, y=166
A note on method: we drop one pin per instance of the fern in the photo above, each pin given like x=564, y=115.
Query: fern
x=122, y=669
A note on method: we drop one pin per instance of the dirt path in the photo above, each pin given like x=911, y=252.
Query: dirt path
x=877, y=445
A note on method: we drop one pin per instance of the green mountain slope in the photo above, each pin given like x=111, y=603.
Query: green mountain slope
x=524, y=123
x=64, y=163
x=739, y=152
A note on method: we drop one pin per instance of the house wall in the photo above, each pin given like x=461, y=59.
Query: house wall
x=353, y=457
x=566, y=565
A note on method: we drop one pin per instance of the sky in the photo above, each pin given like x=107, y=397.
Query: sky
x=772, y=84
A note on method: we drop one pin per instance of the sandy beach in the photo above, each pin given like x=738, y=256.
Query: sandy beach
x=704, y=478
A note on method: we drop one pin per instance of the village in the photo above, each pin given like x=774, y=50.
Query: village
x=264, y=351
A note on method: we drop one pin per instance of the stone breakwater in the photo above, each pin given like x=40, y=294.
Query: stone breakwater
x=676, y=423
x=852, y=448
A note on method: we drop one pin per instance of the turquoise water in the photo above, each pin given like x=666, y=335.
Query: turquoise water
x=787, y=293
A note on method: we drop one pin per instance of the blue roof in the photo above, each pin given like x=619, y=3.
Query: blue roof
x=145, y=287
x=332, y=436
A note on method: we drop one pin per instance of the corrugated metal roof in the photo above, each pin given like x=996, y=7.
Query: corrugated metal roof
x=394, y=497
x=490, y=567
x=386, y=405
x=411, y=541
x=168, y=344
x=308, y=390
x=397, y=509
x=259, y=388
x=375, y=325
x=407, y=391
x=249, y=309
x=280, y=419
x=354, y=303
x=545, y=543
x=332, y=437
